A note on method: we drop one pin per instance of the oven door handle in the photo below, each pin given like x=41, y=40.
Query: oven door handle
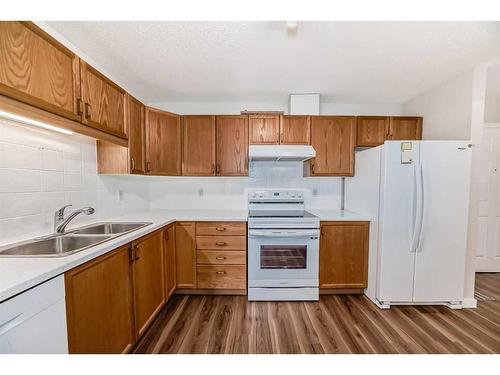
x=283, y=234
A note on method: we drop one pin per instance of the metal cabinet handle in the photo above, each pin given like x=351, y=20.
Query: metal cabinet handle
x=220, y=243
x=136, y=252
x=220, y=258
x=132, y=162
x=217, y=169
x=220, y=272
x=88, y=112
x=213, y=168
x=79, y=107
x=131, y=254
x=148, y=166
x=220, y=229
x=312, y=168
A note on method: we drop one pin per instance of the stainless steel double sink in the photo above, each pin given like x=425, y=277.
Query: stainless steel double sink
x=58, y=245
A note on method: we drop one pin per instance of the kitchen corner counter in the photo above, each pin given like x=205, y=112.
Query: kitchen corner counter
x=20, y=274
x=339, y=215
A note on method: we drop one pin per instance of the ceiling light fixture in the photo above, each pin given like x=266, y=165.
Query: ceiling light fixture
x=29, y=121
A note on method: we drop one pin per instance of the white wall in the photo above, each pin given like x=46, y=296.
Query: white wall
x=446, y=109
x=40, y=171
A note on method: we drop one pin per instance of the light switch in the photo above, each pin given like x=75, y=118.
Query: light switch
x=406, y=153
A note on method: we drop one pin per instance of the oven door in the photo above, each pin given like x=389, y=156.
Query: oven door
x=283, y=258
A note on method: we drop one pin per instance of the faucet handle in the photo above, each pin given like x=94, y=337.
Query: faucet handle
x=60, y=212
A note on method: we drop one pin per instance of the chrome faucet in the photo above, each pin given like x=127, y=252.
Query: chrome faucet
x=60, y=222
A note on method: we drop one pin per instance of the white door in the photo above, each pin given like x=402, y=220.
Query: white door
x=397, y=221
x=488, y=233
x=440, y=254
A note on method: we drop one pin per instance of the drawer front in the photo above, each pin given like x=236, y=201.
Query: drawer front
x=221, y=242
x=222, y=277
x=221, y=229
x=221, y=257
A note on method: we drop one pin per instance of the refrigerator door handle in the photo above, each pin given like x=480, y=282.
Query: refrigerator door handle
x=422, y=209
x=419, y=208
x=413, y=211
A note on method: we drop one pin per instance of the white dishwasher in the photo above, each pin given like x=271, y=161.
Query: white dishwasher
x=35, y=321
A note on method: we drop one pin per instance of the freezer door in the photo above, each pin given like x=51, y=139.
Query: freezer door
x=440, y=255
x=397, y=222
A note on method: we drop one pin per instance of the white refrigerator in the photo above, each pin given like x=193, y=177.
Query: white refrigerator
x=417, y=194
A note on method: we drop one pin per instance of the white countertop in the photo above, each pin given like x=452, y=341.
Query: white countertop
x=19, y=274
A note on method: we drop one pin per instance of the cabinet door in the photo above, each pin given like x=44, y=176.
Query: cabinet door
x=334, y=139
x=38, y=70
x=135, y=128
x=170, y=282
x=372, y=130
x=264, y=129
x=148, y=274
x=198, y=151
x=185, y=254
x=163, y=143
x=405, y=128
x=103, y=102
x=99, y=304
x=343, y=255
x=232, y=145
x=295, y=130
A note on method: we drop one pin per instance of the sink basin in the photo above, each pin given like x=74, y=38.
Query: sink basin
x=53, y=246
x=109, y=228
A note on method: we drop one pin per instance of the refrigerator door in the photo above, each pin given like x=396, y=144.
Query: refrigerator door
x=440, y=253
x=398, y=208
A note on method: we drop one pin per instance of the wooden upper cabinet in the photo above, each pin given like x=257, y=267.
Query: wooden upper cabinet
x=232, y=145
x=343, y=255
x=38, y=70
x=405, y=128
x=372, y=130
x=264, y=129
x=198, y=151
x=135, y=129
x=148, y=275
x=99, y=305
x=103, y=102
x=295, y=130
x=185, y=254
x=163, y=143
x=334, y=139
x=170, y=277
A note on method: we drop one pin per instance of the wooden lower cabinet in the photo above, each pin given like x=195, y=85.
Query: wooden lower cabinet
x=185, y=254
x=170, y=277
x=99, y=304
x=148, y=276
x=343, y=255
x=222, y=277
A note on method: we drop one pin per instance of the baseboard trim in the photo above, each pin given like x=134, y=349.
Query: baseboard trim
x=341, y=291
x=213, y=292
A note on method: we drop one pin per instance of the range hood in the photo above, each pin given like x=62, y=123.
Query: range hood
x=281, y=152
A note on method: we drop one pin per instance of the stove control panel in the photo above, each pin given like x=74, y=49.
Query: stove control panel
x=275, y=195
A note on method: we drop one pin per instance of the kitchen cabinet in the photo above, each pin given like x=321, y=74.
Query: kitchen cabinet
x=232, y=145
x=228, y=277
x=405, y=128
x=163, y=143
x=38, y=70
x=372, y=130
x=334, y=139
x=264, y=129
x=99, y=304
x=116, y=159
x=198, y=145
x=170, y=278
x=343, y=255
x=147, y=257
x=185, y=254
x=103, y=102
x=295, y=130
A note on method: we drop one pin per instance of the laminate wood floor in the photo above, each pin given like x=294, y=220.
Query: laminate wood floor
x=335, y=324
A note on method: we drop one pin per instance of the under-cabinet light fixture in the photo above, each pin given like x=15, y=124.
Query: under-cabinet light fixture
x=29, y=121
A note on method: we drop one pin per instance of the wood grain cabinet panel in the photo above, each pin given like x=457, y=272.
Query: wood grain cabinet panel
x=185, y=254
x=264, y=129
x=170, y=277
x=372, y=130
x=221, y=242
x=212, y=257
x=38, y=70
x=343, y=257
x=148, y=275
x=295, y=130
x=99, y=304
x=103, y=102
x=232, y=145
x=405, y=128
x=221, y=228
x=334, y=139
x=198, y=145
x=163, y=143
x=222, y=277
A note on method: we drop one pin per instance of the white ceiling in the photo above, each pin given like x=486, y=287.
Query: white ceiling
x=357, y=62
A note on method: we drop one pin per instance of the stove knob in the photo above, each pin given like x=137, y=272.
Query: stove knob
x=261, y=195
x=299, y=196
x=253, y=195
x=293, y=195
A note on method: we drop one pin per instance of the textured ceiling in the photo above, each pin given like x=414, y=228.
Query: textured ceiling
x=378, y=62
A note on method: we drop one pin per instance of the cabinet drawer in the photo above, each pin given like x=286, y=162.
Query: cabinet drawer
x=221, y=257
x=221, y=229
x=222, y=277
x=221, y=242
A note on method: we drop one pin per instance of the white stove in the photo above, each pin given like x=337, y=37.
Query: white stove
x=283, y=247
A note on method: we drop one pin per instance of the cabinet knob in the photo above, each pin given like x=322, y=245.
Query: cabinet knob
x=220, y=229
x=220, y=258
x=220, y=272
x=220, y=243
